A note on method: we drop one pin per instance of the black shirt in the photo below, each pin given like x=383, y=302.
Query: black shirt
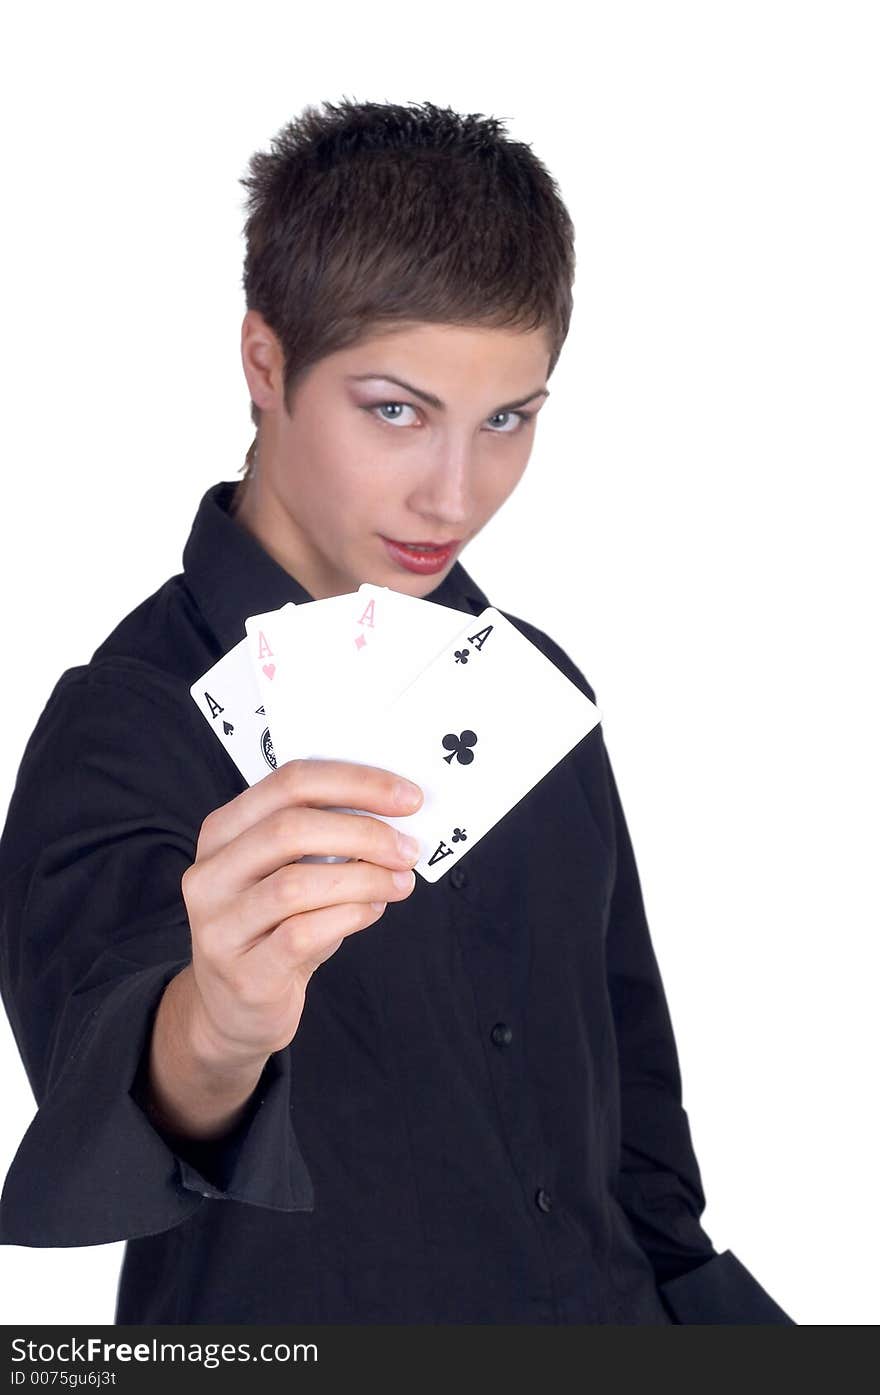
x=479, y=1118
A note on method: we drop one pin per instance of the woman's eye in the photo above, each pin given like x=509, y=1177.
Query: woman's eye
x=519, y=419
x=396, y=406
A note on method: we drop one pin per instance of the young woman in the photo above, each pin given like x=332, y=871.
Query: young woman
x=320, y=1092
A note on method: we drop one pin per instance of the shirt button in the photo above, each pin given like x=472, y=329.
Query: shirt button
x=543, y=1200
x=501, y=1034
x=458, y=877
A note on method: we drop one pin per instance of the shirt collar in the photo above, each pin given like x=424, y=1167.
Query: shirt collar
x=231, y=575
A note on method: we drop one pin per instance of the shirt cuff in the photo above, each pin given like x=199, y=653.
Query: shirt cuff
x=720, y=1291
x=92, y=1169
x=259, y=1162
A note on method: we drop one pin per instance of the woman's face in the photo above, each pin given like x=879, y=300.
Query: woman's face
x=363, y=458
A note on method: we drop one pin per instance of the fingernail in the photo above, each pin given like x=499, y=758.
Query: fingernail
x=409, y=847
x=403, y=880
x=378, y=905
x=405, y=792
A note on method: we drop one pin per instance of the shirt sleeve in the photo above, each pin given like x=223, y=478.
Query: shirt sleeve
x=104, y=819
x=659, y=1183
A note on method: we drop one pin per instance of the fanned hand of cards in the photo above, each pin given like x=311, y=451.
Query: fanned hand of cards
x=464, y=705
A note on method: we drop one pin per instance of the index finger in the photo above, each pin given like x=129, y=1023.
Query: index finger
x=323, y=784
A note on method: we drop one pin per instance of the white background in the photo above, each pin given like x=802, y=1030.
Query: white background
x=697, y=524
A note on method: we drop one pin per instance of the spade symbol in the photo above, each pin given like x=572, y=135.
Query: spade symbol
x=228, y=728
x=458, y=746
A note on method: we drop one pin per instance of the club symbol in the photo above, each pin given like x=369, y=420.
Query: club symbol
x=458, y=746
x=459, y=835
x=461, y=656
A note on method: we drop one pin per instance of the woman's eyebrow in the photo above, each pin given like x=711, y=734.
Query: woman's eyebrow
x=435, y=401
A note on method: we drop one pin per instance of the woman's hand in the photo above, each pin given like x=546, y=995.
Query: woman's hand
x=261, y=921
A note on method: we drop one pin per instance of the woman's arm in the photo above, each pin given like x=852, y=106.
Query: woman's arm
x=93, y=930
x=191, y=1090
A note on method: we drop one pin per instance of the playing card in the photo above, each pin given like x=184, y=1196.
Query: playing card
x=228, y=698
x=288, y=648
x=381, y=641
x=476, y=730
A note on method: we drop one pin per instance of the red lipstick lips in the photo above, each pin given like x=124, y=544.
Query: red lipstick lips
x=422, y=563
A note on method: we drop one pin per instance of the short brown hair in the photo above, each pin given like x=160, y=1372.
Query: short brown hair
x=367, y=214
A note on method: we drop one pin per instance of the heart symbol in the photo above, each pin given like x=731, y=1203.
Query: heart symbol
x=269, y=670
